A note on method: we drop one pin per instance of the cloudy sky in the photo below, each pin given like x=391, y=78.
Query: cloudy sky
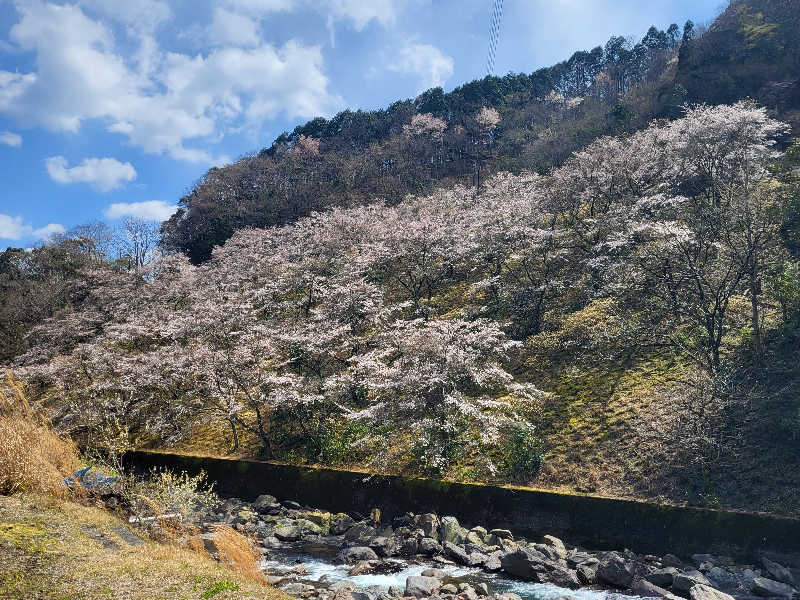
x=111, y=108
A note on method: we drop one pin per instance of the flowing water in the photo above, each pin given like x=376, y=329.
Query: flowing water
x=318, y=561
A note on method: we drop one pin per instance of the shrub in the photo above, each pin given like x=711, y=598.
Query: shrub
x=524, y=452
x=33, y=458
x=164, y=491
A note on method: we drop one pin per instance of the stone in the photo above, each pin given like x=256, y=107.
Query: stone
x=576, y=558
x=683, y=582
x=556, y=544
x=291, y=504
x=246, y=516
x=662, y=577
x=264, y=502
x=457, y=553
x=615, y=570
x=482, y=589
x=429, y=523
x=343, y=584
x=395, y=592
x=468, y=594
x=288, y=533
x=429, y=546
x=670, y=560
x=493, y=563
x=437, y=573
x=700, y=559
x=361, y=532
x=645, y=589
x=448, y=588
x=309, y=527
x=384, y=546
x=341, y=523
x=706, y=592
x=587, y=572
x=503, y=534
x=420, y=586
x=522, y=563
x=477, y=559
x=769, y=588
x=723, y=579
x=550, y=552
x=778, y=572
x=451, y=531
x=481, y=532
x=356, y=553
x=409, y=547
x=473, y=537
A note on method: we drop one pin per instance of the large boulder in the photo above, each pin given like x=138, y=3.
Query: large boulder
x=451, y=531
x=769, y=588
x=456, y=553
x=340, y=523
x=264, y=502
x=532, y=565
x=616, y=571
x=384, y=546
x=523, y=563
x=419, y=586
x=587, y=571
x=645, y=589
x=361, y=532
x=556, y=544
x=288, y=533
x=355, y=554
x=778, y=572
x=683, y=582
x=723, y=579
x=429, y=523
x=662, y=577
x=429, y=546
x=706, y=592
x=437, y=573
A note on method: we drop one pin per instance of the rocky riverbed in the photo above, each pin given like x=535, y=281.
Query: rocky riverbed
x=316, y=554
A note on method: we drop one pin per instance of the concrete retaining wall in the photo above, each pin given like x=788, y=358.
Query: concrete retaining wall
x=596, y=523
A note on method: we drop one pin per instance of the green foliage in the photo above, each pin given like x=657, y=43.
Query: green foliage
x=524, y=452
x=218, y=587
x=437, y=449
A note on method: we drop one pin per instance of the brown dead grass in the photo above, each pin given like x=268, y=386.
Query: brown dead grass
x=33, y=458
x=234, y=550
x=46, y=553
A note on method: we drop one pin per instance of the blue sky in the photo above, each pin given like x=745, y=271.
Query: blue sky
x=111, y=108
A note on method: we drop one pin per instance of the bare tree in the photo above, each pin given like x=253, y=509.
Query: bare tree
x=138, y=242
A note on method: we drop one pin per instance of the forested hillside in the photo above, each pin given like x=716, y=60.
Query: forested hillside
x=575, y=279
x=626, y=324
x=512, y=123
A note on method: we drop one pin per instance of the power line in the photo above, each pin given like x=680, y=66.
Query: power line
x=495, y=18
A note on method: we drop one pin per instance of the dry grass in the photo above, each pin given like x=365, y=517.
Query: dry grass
x=233, y=550
x=48, y=554
x=33, y=458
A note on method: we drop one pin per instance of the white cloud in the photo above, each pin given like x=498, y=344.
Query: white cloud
x=13, y=228
x=153, y=210
x=143, y=15
x=159, y=100
x=10, y=139
x=233, y=28
x=425, y=61
x=360, y=13
x=103, y=174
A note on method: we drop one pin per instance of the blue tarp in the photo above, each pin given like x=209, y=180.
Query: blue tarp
x=88, y=481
